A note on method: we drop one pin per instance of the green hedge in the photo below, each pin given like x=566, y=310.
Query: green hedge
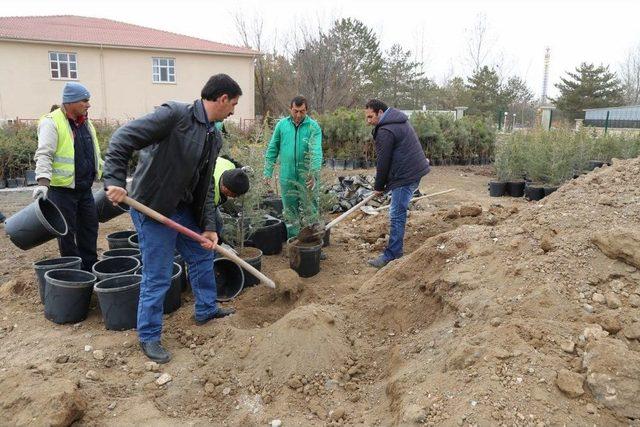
x=557, y=155
x=18, y=143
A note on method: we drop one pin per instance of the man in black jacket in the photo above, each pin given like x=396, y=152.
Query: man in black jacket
x=400, y=165
x=178, y=146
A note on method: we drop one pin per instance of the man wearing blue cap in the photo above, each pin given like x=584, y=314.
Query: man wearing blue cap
x=67, y=163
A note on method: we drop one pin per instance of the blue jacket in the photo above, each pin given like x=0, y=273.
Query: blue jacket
x=400, y=158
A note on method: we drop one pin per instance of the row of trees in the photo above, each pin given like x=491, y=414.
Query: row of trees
x=345, y=65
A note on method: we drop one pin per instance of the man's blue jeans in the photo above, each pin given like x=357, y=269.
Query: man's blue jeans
x=400, y=198
x=158, y=244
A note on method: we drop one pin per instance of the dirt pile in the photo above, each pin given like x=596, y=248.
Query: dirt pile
x=496, y=324
x=502, y=312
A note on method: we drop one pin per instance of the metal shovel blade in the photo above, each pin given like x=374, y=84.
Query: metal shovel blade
x=369, y=210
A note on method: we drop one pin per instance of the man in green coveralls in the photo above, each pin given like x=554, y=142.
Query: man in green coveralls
x=297, y=140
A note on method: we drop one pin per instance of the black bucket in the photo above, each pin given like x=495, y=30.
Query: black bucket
x=326, y=239
x=115, y=266
x=106, y=209
x=229, y=278
x=119, y=239
x=254, y=261
x=118, y=298
x=67, y=295
x=549, y=190
x=173, y=298
x=534, y=192
x=497, y=188
x=268, y=238
x=184, y=278
x=134, y=252
x=515, y=188
x=304, y=259
x=35, y=224
x=41, y=267
x=133, y=241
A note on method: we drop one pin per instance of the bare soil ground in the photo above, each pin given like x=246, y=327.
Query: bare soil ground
x=502, y=312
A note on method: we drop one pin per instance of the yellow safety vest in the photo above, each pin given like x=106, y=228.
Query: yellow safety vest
x=222, y=165
x=63, y=167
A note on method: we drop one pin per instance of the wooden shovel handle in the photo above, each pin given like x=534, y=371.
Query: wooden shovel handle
x=418, y=198
x=198, y=238
x=350, y=211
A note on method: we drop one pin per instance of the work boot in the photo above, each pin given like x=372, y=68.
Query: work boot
x=220, y=313
x=154, y=351
x=379, y=262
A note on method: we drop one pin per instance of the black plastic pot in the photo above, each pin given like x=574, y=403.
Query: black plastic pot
x=118, y=298
x=331, y=163
x=549, y=190
x=534, y=192
x=273, y=205
x=593, y=164
x=41, y=267
x=133, y=252
x=133, y=241
x=115, y=266
x=497, y=188
x=35, y=224
x=67, y=295
x=106, y=209
x=339, y=164
x=21, y=181
x=3, y=183
x=173, y=297
x=120, y=239
x=515, y=188
x=326, y=239
x=11, y=183
x=304, y=258
x=268, y=237
x=349, y=165
x=253, y=257
x=31, y=177
x=229, y=278
x=184, y=277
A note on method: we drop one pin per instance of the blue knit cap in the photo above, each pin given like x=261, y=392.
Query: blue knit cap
x=74, y=92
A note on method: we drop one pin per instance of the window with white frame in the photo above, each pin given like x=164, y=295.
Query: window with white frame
x=63, y=65
x=164, y=70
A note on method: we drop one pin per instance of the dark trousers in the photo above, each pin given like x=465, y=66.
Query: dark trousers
x=79, y=210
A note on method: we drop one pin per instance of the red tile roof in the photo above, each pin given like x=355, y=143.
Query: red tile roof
x=84, y=30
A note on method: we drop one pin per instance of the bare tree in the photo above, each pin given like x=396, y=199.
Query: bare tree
x=630, y=76
x=478, y=43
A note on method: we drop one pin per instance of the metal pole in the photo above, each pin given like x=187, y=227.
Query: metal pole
x=606, y=123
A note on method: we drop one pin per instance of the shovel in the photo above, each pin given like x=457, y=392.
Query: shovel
x=198, y=238
x=375, y=211
x=313, y=232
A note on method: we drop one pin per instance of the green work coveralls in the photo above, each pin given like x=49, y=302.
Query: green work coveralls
x=300, y=151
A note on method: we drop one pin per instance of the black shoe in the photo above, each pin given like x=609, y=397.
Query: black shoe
x=222, y=312
x=154, y=351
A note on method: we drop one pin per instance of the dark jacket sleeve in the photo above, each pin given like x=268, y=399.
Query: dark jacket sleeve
x=384, y=152
x=133, y=136
x=209, y=205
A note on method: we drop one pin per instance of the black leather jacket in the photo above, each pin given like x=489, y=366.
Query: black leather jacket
x=171, y=141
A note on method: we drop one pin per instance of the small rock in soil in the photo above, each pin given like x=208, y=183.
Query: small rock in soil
x=98, y=354
x=152, y=366
x=612, y=300
x=163, y=379
x=276, y=423
x=62, y=358
x=568, y=346
x=570, y=383
x=92, y=375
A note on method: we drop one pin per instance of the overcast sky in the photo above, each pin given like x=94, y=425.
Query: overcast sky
x=576, y=31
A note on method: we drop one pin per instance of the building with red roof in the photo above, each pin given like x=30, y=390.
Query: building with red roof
x=129, y=69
